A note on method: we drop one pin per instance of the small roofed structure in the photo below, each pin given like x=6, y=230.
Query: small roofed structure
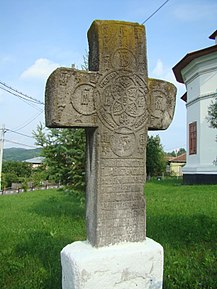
x=35, y=162
x=176, y=164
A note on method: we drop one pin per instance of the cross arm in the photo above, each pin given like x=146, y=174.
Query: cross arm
x=70, y=98
x=162, y=103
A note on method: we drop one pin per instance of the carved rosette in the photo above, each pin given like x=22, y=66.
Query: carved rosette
x=122, y=100
x=122, y=107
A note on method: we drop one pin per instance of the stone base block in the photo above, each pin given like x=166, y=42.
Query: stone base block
x=123, y=266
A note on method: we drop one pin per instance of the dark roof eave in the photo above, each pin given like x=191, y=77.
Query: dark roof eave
x=213, y=35
x=190, y=57
x=184, y=97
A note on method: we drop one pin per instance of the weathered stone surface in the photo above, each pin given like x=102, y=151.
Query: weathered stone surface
x=116, y=103
x=163, y=98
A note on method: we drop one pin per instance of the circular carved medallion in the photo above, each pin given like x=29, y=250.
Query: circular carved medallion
x=83, y=99
x=123, y=142
x=122, y=100
x=123, y=58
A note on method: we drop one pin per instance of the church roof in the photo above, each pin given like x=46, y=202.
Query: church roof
x=190, y=57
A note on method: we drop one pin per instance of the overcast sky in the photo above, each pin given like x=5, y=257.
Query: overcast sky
x=38, y=36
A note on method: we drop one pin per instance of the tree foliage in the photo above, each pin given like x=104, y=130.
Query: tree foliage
x=21, y=169
x=155, y=157
x=24, y=173
x=177, y=152
x=14, y=171
x=212, y=114
x=64, y=152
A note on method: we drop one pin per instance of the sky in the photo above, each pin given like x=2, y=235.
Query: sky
x=39, y=36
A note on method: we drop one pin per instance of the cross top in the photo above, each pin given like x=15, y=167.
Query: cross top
x=117, y=104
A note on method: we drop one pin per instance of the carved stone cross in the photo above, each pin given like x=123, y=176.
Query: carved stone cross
x=117, y=103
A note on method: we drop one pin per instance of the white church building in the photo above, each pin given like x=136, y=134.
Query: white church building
x=198, y=71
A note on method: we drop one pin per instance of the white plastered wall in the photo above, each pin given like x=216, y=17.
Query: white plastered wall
x=200, y=77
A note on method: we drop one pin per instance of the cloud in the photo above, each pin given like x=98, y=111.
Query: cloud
x=159, y=68
x=163, y=72
x=41, y=69
x=195, y=12
x=160, y=71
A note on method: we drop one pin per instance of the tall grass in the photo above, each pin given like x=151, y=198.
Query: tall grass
x=35, y=226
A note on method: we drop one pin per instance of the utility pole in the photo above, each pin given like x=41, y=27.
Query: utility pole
x=2, y=132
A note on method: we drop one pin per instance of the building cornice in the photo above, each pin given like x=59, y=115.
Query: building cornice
x=207, y=96
x=188, y=58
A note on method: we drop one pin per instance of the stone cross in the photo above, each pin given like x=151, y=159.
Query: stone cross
x=117, y=104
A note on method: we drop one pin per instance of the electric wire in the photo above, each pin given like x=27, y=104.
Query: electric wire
x=155, y=12
x=32, y=105
x=29, y=102
x=22, y=134
x=27, y=123
x=15, y=142
x=20, y=94
x=13, y=93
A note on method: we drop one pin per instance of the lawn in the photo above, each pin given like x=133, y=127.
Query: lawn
x=35, y=226
x=183, y=219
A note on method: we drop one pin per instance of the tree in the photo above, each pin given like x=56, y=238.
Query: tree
x=15, y=171
x=64, y=152
x=212, y=114
x=181, y=151
x=155, y=157
x=177, y=152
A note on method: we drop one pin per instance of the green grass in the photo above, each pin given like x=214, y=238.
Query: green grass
x=183, y=219
x=35, y=226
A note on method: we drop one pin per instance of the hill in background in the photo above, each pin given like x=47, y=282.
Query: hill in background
x=20, y=154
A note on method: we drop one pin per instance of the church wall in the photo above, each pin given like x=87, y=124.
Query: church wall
x=200, y=77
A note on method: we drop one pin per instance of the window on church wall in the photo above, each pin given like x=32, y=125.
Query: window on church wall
x=193, y=138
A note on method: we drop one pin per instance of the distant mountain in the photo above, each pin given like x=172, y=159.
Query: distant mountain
x=20, y=154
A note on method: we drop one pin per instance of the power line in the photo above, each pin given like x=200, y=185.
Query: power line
x=155, y=12
x=32, y=105
x=27, y=123
x=29, y=102
x=20, y=94
x=11, y=141
x=13, y=93
x=10, y=130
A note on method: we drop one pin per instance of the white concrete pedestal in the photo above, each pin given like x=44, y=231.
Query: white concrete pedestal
x=122, y=266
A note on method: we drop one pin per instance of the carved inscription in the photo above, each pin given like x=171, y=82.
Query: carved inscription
x=121, y=199
x=117, y=103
